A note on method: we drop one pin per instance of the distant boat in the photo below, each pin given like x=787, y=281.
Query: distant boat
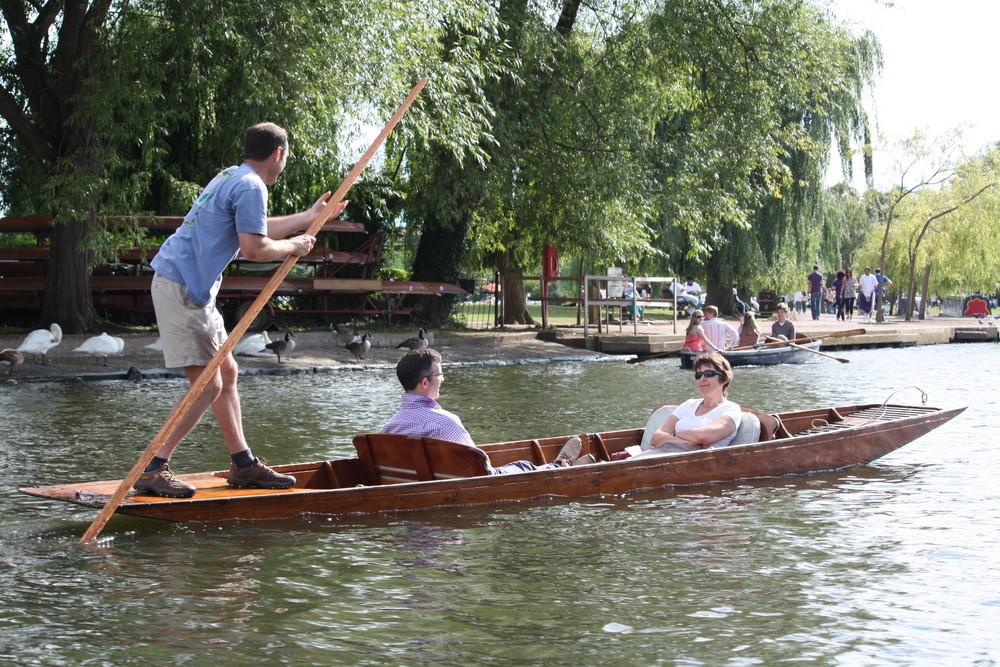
x=761, y=356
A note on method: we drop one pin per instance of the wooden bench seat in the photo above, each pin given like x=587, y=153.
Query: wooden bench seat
x=396, y=459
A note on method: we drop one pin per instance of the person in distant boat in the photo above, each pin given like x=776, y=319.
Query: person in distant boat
x=783, y=328
x=695, y=339
x=419, y=371
x=722, y=334
x=749, y=333
x=228, y=218
x=701, y=423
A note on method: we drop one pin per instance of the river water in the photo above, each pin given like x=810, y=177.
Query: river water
x=895, y=563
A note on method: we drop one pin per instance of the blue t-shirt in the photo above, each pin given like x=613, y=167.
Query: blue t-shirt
x=197, y=253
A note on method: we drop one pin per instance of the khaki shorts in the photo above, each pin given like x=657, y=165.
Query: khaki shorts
x=190, y=334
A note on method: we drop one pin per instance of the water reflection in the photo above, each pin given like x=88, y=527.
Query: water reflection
x=892, y=563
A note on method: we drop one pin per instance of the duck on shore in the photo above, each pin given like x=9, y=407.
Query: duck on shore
x=359, y=346
x=10, y=358
x=418, y=343
x=282, y=345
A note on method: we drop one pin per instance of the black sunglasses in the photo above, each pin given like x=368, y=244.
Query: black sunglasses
x=709, y=374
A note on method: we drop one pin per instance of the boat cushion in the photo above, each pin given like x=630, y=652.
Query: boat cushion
x=748, y=430
x=653, y=424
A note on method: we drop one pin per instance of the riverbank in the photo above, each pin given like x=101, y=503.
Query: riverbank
x=314, y=351
x=317, y=351
x=653, y=338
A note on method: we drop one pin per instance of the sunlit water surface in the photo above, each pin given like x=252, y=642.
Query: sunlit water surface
x=895, y=563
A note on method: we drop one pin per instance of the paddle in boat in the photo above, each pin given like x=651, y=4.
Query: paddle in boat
x=394, y=473
x=772, y=351
x=764, y=355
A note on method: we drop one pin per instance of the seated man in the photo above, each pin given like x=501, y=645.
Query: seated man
x=783, y=328
x=419, y=371
x=722, y=334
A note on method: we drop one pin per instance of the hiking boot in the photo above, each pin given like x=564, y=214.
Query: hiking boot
x=258, y=475
x=570, y=452
x=163, y=482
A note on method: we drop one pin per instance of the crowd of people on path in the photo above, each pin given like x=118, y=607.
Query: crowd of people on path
x=841, y=295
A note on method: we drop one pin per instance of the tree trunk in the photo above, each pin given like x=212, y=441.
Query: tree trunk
x=453, y=193
x=515, y=309
x=437, y=260
x=923, y=299
x=68, y=297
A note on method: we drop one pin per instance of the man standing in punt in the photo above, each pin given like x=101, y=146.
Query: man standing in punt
x=229, y=218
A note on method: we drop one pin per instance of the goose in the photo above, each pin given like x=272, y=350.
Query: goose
x=418, y=343
x=102, y=347
x=282, y=346
x=10, y=357
x=343, y=336
x=253, y=345
x=359, y=346
x=40, y=341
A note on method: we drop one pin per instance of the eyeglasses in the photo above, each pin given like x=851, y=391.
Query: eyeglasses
x=698, y=317
x=708, y=374
x=433, y=375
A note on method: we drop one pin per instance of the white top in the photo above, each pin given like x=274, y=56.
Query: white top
x=867, y=283
x=687, y=419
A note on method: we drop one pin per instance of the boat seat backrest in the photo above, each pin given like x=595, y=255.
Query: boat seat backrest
x=770, y=425
x=397, y=459
x=654, y=423
x=748, y=430
x=449, y=460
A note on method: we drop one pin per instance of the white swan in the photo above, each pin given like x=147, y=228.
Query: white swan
x=40, y=341
x=253, y=345
x=102, y=347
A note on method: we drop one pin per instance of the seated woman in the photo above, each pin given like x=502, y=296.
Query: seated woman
x=749, y=333
x=694, y=336
x=700, y=423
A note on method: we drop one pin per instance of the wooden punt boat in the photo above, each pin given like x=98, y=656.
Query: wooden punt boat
x=394, y=473
x=762, y=356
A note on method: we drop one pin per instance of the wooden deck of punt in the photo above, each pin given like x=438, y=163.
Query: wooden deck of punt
x=399, y=474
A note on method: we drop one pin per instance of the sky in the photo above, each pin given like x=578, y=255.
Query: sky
x=940, y=60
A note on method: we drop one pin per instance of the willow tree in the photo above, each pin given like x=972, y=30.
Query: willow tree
x=810, y=77
x=663, y=131
x=122, y=107
x=53, y=55
x=940, y=227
